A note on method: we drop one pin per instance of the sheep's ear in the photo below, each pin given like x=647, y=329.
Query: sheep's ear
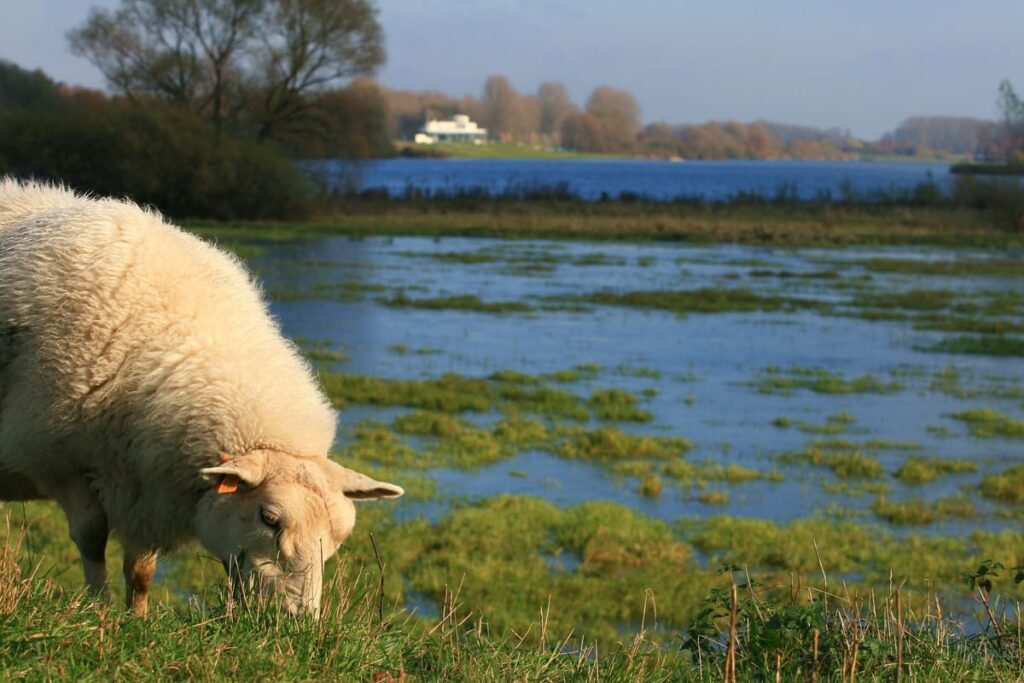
x=226, y=478
x=357, y=486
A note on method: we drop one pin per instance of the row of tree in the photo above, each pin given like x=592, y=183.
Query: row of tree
x=610, y=121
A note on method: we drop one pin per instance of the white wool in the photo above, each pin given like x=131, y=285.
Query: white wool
x=133, y=354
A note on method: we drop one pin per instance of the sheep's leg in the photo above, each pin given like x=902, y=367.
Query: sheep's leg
x=139, y=566
x=87, y=523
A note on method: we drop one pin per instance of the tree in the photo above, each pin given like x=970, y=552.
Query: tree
x=1012, y=110
x=221, y=58
x=502, y=108
x=555, y=107
x=618, y=112
x=28, y=90
x=583, y=132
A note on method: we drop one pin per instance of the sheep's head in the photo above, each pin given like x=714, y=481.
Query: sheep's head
x=273, y=519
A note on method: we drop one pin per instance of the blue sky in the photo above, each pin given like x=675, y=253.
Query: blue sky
x=861, y=65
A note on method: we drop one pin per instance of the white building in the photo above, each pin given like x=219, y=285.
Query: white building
x=459, y=129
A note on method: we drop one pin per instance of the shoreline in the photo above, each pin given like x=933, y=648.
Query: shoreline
x=811, y=224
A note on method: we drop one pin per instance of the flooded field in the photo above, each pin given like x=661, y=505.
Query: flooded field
x=776, y=366
x=594, y=429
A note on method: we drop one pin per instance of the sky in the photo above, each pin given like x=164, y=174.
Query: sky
x=863, y=65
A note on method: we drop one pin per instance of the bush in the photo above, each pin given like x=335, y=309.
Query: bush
x=1003, y=195
x=165, y=157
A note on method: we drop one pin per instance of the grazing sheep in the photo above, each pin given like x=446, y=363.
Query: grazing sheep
x=145, y=388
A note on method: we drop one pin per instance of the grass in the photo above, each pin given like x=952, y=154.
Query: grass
x=774, y=380
x=618, y=405
x=846, y=462
x=960, y=267
x=999, y=345
x=1006, y=486
x=987, y=423
x=496, y=150
x=834, y=424
x=705, y=300
x=918, y=512
x=922, y=470
x=810, y=224
x=504, y=390
x=526, y=589
x=466, y=302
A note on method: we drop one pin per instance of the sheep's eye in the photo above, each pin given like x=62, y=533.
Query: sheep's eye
x=270, y=518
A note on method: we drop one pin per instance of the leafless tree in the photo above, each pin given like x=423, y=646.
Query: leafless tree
x=618, y=112
x=223, y=58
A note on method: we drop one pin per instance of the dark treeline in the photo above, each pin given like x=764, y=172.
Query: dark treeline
x=209, y=101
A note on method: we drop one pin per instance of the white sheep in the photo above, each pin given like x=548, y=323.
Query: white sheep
x=146, y=389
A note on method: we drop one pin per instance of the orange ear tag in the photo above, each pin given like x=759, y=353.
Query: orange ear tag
x=229, y=484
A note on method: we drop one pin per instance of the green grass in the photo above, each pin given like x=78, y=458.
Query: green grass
x=1006, y=486
x=919, y=512
x=784, y=381
x=922, y=470
x=467, y=302
x=846, y=462
x=960, y=267
x=706, y=300
x=617, y=405
x=497, y=150
x=986, y=423
x=508, y=391
x=529, y=589
x=759, y=223
x=834, y=424
x=985, y=346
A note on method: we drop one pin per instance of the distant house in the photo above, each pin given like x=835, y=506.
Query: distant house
x=459, y=129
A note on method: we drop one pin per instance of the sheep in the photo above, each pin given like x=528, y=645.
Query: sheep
x=145, y=388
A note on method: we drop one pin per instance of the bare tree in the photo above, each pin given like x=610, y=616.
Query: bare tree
x=502, y=108
x=219, y=57
x=618, y=112
x=555, y=107
x=1012, y=109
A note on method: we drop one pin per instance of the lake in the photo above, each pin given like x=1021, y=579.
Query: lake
x=592, y=179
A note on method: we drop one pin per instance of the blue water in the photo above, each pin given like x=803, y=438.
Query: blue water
x=591, y=179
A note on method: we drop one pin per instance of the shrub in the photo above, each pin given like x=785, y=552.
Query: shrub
x=164, y=157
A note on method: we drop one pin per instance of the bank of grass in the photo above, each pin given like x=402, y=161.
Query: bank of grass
x=755, y=222
x=495, y=150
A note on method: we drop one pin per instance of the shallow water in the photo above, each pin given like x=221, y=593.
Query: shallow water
x=705, y=363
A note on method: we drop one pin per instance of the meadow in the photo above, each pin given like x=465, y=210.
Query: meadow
x=640, y=459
